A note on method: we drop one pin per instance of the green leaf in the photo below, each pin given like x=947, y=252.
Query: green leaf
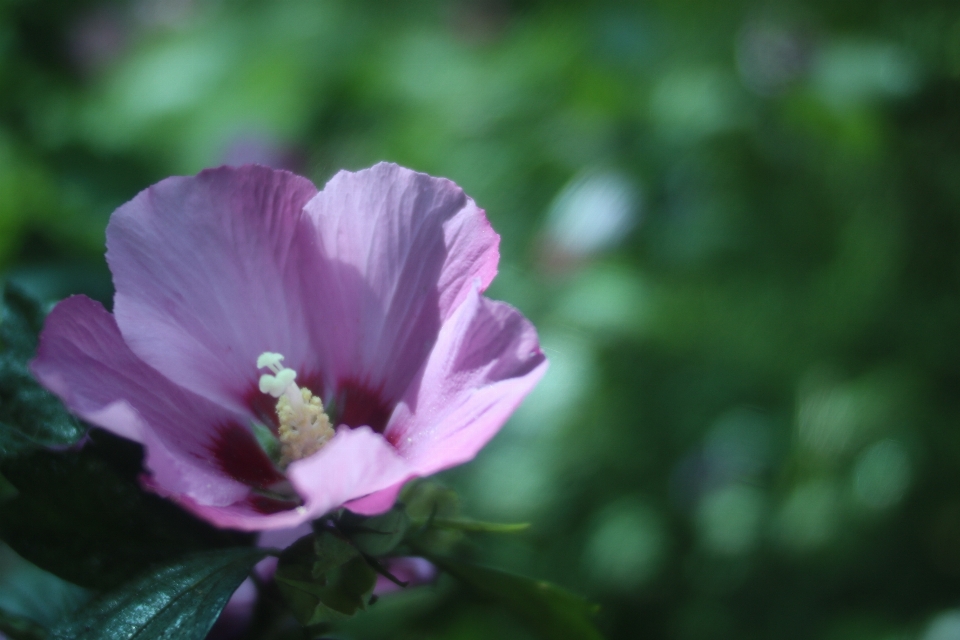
x=471, y=526
x=20, y=322
x=20, y=628
x=377, y=535
x=551, y=612
x=268, y=441
x=79, y=516
x=28, y=593
x=7, y=490
x=30, y=416
x=324, y=578
x=427, y=500
x=181, y=600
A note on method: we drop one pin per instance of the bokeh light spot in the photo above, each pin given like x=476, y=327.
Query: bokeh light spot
x=729, y=519
x=626, y=546
x=881, y=475
x=945, y=626
x=810, y=515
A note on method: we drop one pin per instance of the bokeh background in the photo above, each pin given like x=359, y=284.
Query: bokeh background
x=736, y=225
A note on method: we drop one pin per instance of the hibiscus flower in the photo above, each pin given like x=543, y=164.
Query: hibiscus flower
x=281, y=352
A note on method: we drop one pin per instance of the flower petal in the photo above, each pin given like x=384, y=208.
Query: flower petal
x=399, y=250
x=487, y=358
x=83, y=359
x=355, y=463
x=236, y=616
x=412, y=570
x=379, y=501
x=206, y=273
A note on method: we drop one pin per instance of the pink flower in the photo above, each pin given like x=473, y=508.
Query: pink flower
x=369, y=291
x=411, y=570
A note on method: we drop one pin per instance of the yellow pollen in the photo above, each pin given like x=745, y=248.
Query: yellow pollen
x=304, y=429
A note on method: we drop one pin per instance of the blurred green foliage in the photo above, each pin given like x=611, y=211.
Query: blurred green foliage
x=737, y=226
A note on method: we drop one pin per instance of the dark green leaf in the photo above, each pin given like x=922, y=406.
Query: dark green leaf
x=427, y=500
x=181, y=600
x=7, y=490
x=17, y=628
x=30, y=593
x=553, y=613
x=12, y=440
x=324, y=578
x=29, y=415
x=20, y=628
x=83, y=519
x=377, y=535
x=20, y=322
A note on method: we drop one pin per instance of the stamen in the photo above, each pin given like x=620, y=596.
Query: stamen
x=276, y=385
x=304, y=427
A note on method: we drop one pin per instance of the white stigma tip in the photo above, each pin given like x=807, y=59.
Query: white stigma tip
x=268, y=359
x=276, y=385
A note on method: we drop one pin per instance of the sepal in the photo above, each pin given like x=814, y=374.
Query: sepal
x=324, y=578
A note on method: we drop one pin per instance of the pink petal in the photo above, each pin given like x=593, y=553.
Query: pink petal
x=246, y=515
x=356, y=462
x=207, y=276
x=399, y=251
x=237, y=615
x=412, y=570
x=377, y=502
x=281, y=539
x=487, y=358
x=83, y=359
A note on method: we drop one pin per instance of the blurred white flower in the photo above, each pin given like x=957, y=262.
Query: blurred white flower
x=593, y=213
x=945, y=626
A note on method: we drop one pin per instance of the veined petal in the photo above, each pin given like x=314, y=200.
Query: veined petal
x=379, y=501
x=174, y=474
x=398, y=252
x=83, y=359
x=356, y=462
x=206, y=270
x=487, y=358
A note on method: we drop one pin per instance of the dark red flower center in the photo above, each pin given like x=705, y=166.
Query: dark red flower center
x=240, y=456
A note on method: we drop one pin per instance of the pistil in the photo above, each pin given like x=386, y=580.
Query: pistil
x=304, y=427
